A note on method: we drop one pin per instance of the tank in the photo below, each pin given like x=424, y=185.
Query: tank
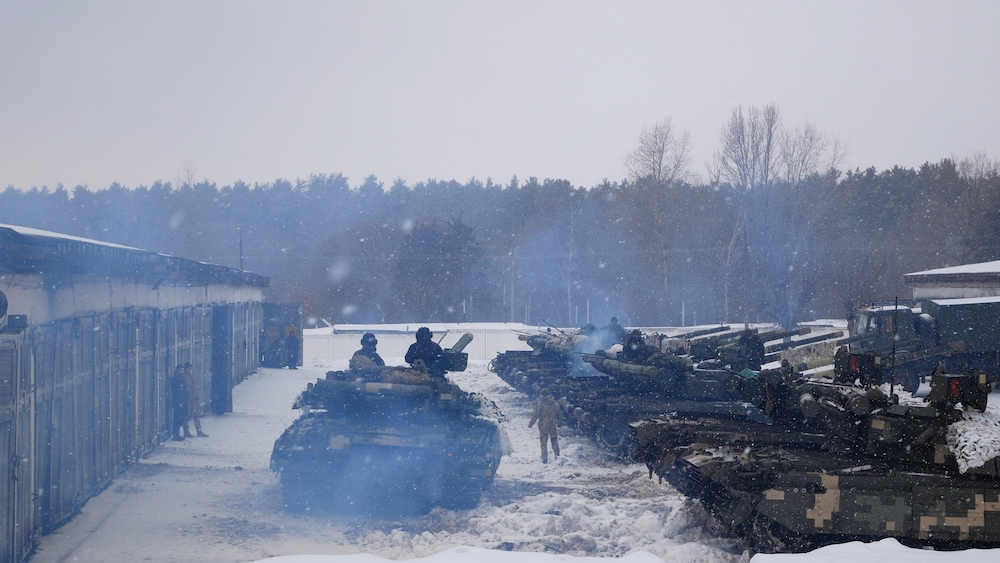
x=869, y=466
x=667, y=388
x=554, y=357
x=389, y=441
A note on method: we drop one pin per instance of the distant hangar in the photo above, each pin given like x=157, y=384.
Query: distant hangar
x=956, y=282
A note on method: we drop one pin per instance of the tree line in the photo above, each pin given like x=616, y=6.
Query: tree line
x=777, y=233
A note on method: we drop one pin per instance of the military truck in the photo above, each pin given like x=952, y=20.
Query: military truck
x=388, y=441
x=961, y=333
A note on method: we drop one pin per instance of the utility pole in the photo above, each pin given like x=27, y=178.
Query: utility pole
x=511, y=286
x=240, y=230
x=569, y=274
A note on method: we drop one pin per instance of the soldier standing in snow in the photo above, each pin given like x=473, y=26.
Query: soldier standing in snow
x=179, y=401
x=194, y=403
x=292, y=350
x=549, y=416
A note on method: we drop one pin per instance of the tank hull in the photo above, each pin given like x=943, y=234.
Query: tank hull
x=405, y=467
x=780, y=502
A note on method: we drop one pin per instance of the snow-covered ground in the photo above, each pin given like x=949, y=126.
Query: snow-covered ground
x=215, y=500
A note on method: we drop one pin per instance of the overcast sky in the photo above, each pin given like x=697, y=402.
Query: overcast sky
x=133, y=92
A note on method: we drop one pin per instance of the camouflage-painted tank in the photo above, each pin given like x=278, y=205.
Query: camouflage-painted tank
x=868, y=467
x=389, y=441
x=554, y=357
x=654, y=380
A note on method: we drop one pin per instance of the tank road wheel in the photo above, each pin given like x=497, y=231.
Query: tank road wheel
x=614, y=440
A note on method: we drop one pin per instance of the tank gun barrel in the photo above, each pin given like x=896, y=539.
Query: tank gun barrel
x=462, y=342
x=702, y=332
x=609, y=366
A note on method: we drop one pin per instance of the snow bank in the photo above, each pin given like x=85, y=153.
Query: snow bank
x=883, y=551
x=464, y=554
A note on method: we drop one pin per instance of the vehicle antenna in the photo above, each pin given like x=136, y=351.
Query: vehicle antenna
x=553, y=326
x=892, y=372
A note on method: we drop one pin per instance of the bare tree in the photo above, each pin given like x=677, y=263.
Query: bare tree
x=748, y=147
x=185, y=176
x=978, y=168
x=804, y=150
x=662, y=155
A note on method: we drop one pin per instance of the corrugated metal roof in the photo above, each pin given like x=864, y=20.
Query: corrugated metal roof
x=980, y=268
x=24, y=250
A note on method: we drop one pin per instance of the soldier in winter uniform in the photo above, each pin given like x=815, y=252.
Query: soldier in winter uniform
x=617, y=331
x=549, y=416
x=369, y=351
x=427, y=350
x=292, y=350
x=194, y=403
x=179, y=401
x=634, y=349
x=751, y=349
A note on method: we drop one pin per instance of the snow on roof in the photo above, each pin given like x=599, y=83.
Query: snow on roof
x=967, y=301
x=980, y=268
x=29, y=232
x=83, y=255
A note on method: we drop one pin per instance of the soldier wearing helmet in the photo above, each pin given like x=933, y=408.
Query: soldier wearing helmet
x=427, y=350
x=549, y=416
x=751, y=351
x=368, y=343
x=634, y=349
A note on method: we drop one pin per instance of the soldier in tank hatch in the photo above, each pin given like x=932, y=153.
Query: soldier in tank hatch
x=367, y=357
x=549, y=416
x=616, y=332
x=751, y=349
x=368, y=348
x=427, y=350
x=634, y=349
